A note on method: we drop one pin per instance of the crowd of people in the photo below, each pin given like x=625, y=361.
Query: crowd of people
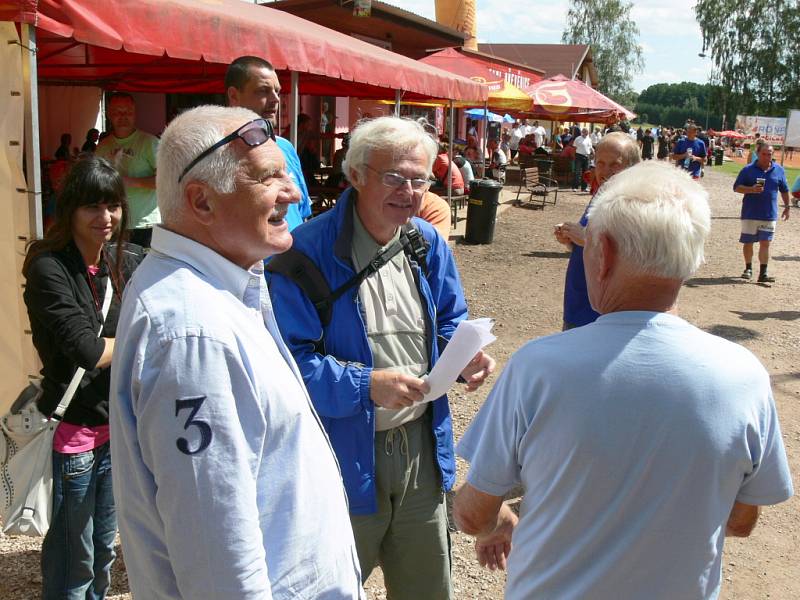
x=260, y=378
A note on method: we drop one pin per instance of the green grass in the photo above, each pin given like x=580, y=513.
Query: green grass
x=733, y=168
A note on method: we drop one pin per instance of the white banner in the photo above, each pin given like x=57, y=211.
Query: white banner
x=793, y=129
x=771, y=129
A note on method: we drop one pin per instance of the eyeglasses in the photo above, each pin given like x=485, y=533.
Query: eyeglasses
x=395, y=180
x=253, y=134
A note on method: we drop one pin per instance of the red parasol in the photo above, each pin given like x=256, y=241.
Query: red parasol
x=561, y=99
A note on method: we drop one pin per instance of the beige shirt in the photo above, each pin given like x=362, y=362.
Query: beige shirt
x=393, y=315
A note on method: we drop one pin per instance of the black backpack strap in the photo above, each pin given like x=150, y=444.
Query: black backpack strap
x=300, y=269
x=415, y=246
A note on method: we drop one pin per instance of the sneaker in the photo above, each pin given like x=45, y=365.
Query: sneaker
x=765, y=279
x=747, y=274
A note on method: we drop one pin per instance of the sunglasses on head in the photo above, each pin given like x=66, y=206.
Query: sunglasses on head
x=253, y=134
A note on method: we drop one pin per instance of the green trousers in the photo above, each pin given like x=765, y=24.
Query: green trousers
x=408, y=534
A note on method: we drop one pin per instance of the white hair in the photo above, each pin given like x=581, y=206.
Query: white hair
x=386, y=134
x=657, y=216
x=189, y=134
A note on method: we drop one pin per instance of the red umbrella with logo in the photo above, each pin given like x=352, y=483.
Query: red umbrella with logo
x=561, y=99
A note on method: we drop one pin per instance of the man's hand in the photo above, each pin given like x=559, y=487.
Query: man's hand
x=573, y=233
x=561, y=237
x=493, y=548
x=785, y=215
x=391, y=389
x=477, y=370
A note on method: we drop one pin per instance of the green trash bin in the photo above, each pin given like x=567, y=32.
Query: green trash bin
x=719, y=153
x=484, y=197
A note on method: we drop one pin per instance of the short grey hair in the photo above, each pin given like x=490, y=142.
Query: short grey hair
x=628, y=147
x=184, y=138
x=658, y=217
x=386, y=134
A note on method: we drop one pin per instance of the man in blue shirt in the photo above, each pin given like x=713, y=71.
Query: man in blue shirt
x=760, y=182
x=251, y=82
x=230, y=487
x=694, y=162
x=615, y=152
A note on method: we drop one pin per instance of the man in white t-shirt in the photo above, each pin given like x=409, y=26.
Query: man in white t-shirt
x=639, y=454
x=517, y=134
x=539, y=134
x=583, y=153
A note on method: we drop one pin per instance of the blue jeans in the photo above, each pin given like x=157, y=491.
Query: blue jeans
x=78, y=549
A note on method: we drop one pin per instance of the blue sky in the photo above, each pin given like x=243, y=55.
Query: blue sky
x=669, y=35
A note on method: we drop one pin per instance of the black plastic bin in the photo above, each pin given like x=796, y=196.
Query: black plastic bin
x=484, y=197
x=719, y=153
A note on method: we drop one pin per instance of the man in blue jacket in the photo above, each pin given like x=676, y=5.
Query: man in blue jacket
x=363, y=365
x=251, y=82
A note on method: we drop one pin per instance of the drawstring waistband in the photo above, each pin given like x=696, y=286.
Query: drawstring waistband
x=388, y=446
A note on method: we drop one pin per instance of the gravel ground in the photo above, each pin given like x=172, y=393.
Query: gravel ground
x=518, y=281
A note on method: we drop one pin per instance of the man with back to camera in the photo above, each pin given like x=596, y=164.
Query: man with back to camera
x=644, y=449
x=760, y=182
x=133, y=153
x=231, y=489
x=615, y=152
x=364, y=363
x=689, y=153
x=252, y=82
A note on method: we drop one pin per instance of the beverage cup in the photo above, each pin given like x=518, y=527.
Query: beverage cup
x=760, y=181
x=689, y=152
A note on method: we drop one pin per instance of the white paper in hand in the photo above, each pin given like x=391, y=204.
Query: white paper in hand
x=469, y=337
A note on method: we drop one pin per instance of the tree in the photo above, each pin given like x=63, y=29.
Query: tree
x=606, y=25
x=754, y=48
x=674, y=103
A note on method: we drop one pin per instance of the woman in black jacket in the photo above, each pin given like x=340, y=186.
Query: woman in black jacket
x=66, y=275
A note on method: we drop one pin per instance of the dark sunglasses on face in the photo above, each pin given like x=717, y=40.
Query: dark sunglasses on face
x=253, y=134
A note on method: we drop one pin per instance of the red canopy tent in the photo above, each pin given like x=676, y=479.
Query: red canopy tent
x=730, y=134
x=561, y=99
x=501, y=93
x=185, y=45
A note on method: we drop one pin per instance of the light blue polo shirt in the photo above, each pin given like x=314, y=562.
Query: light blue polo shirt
x=632, y=437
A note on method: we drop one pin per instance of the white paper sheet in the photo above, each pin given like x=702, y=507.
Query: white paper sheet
x=469, y=337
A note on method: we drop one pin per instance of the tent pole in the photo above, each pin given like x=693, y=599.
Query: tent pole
x=398, y=96
x=783, y=147
x=33, y=162
x=452, y=121
x=485, y=137
x=294, y=99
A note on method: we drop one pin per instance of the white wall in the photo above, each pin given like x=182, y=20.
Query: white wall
x=67, y=109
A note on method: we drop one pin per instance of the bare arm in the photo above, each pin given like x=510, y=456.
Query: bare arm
x=742, y=520
x=491, y=522
x=785, y=196
x=105, y=357
x=148, y=183
x=748, y=189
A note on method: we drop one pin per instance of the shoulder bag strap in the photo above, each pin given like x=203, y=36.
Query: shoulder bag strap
x=76, y=379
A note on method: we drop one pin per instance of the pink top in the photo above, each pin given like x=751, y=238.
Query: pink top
x=72, y=439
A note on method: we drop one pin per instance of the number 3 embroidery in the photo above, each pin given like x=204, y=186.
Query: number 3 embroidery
x=204, y=428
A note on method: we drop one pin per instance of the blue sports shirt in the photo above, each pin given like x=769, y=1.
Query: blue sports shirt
x=302, y=210
x=763, y=206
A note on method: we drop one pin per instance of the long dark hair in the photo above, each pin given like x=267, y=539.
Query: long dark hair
x=91, y=180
